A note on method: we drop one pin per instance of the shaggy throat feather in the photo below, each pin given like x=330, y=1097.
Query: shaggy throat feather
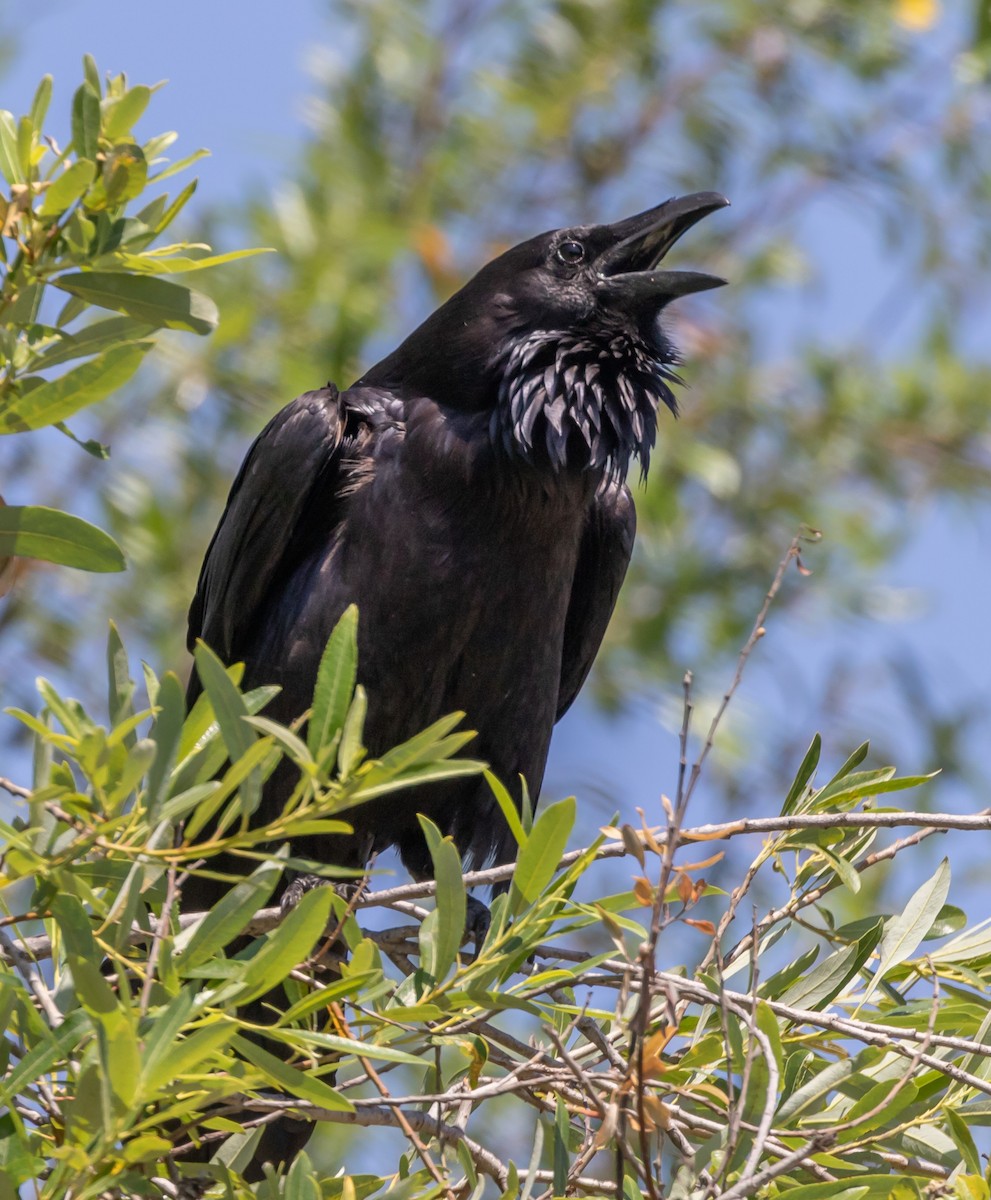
x=590, y=405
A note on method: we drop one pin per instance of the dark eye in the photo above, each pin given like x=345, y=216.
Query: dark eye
x=571, y=252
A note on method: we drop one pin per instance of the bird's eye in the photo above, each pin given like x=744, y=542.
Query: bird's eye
x=571, y=252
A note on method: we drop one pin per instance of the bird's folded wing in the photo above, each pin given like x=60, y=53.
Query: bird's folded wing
x=291, y=469
x=606, y=546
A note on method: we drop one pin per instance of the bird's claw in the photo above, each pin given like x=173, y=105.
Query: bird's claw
x=477, y=922
x=297, y=888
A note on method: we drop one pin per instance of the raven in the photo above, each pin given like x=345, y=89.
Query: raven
x=468, y=494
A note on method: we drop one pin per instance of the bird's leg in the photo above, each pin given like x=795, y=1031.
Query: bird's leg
x=297, y=888
x=477, y=921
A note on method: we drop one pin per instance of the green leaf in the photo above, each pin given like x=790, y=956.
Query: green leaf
x=175, y=1058
x=305, y=1086
x=122, y=178
x=10, y=165
x=57, y=399
x=39, y=105
x=156, y=301
x=805, y=773
x=110, y=331
x=959, y=1130
x=120, y=686
x=507, y=807
x=561, y=1158
x=343, y=1045
x=540, y=856
x=166, y=733
x=66, y=188
x=287, y=946
x=33, y=531
x=817, y=988
x=25, y=145
x=301, y=1182
x=86, y=121
x=228, y=917
x=949, y=920
x=155, y=264
x=228, y=703
x=906, y=930
x=443, y=930
x=334, y=687
x=351, y=751
x=126, y=112
x=91, y=73
x=816, y=1088
x=877, y=1107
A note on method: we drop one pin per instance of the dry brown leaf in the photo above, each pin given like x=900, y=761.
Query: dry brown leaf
x=704, y=926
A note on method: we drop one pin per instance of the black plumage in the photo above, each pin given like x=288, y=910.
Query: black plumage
x=467, y=493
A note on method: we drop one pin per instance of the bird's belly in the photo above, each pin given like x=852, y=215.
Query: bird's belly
x=465, y=613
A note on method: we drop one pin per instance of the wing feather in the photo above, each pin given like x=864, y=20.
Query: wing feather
x=603, y=557
x=292, y=468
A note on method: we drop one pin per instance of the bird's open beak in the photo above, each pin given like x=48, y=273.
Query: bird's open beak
x=627, y=267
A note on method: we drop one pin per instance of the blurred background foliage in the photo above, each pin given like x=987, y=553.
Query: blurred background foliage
x=848, y=136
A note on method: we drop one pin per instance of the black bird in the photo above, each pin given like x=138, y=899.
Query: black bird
x=468, y=494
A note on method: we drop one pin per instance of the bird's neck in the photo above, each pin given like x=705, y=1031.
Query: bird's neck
x=569, y=401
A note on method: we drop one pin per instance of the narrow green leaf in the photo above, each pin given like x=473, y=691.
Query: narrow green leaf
x=866, y=783
x=180, y=165
x=442, y=933
x=507, y=807
x=127, y=111
x=959, y=1130
x=153, y=264
x=86, y=122
x=9, y=162
x=342, y=1045
x=66, y=188
x=287, y=946
x=540, y=856
x=39, y=105
x=32, y=531
x=57, y=399
x=186, y=1055
x=228, y=918
x=876, y=1108
x=305, y=1086
x=561, y=1157
x=906, y=930
x=827, y=980
x=91, y=73
x=301, y=1181
x=351, y=751
x=819, y=1086
x=176, y=207
x=25, y=145
x=92, y=339
x=334, y=687
x=228, y=703
x=805, y=773
x=166, y=732
x=120, y=686
x=156, y=301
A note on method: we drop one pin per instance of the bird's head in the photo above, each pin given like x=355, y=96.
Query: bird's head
x=560, y=340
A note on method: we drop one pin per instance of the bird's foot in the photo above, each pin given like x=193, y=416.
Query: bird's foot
x=297, y=888
x=477, y=922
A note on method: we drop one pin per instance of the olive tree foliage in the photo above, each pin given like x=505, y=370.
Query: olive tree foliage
x=438, y=132
x=801, y=1057
x=73, y=245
